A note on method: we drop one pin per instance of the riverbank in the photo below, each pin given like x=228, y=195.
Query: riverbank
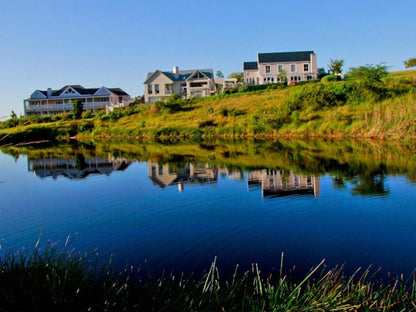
x=49, y=279
x=382, y=109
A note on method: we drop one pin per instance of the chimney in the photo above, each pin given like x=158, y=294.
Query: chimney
x=176, y=69
x=49, y=92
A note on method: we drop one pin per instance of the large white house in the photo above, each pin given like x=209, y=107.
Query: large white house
x=159, y=85
x=297, y=66
x=52, y=102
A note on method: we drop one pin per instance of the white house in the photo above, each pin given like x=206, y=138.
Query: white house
x=52, y=102
x=225, y=83
x=297, y=66
x=159, y=85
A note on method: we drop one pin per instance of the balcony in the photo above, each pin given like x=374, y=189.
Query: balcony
x=63, y=107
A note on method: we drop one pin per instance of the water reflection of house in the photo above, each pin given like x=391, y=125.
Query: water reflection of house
x=76, y=168
x=278, y=183
x=166, y=174
x=232, y=173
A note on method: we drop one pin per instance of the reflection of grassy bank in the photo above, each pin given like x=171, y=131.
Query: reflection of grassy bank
x=51, y=280
x=344, y=159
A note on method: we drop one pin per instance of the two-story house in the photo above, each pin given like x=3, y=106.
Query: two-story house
x=272, y=67
x=159, y=85
x=52, y=102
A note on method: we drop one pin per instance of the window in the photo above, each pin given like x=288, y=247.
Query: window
x=267, y=69
x=197, y=84
x=160, y=170
x=279, y=67
x=309, y=77
x=198, y=75
x=149, y=89
x=156, y=89
x=272, y=79
x=296, y=181
x=293, y=68
x=305, y=67
x=168, y=88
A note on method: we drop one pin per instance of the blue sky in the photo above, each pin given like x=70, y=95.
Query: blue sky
x=52, y=43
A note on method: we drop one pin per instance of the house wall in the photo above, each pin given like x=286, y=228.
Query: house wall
x=251, y=76
x=160, y=80
x=272, y=76
x=202, y=91
x=59, y=105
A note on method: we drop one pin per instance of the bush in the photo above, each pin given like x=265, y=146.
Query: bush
x=207, y=123
x=87, y=114
x=231, y=112
x=330, y=78
x=318, y=96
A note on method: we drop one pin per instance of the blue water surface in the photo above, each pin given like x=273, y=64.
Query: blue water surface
x=182, y=227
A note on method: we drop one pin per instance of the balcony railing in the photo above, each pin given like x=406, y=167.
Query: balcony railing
x=64, y=107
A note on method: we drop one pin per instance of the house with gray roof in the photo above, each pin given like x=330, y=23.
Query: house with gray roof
x=159, y=85
x=51, y=102
x=268, y=68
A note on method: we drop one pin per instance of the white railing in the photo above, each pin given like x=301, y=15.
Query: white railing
x=62, y=107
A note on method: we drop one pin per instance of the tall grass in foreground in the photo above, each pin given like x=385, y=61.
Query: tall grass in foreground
x=50, y=279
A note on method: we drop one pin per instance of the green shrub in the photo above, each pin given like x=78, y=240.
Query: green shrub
x=318, y=96
x=87, y=114
x=330, y=78
x=232, y=112
x=207, y=123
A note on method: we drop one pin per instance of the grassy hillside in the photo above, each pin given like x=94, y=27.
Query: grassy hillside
x=368, y=105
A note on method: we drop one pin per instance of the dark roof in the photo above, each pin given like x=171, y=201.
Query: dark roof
x=182, y=75
x=83, y=91
x=117, y=91
x=284, y=57
x=250, y=65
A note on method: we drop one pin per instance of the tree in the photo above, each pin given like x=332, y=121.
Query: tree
x=239, y=76
x=335, y=66
x=368, y=75
x=282, y=76
x=77, y=108
x=410, y=63
x=219, y=74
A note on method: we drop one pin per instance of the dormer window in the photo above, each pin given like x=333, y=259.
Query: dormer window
x=198, y=75
x=70, y=91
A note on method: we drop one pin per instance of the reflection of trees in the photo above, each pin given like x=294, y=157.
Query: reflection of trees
x=338, y=181
x=80, y=163
x=367, y=181
x=371, y=185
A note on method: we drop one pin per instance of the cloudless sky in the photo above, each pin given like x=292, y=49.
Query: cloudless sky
x=51, y=43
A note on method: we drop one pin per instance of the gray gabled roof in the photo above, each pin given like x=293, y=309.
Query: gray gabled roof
x=281, y=57
x=81, y=90
x=250, y=65
x=182, y=75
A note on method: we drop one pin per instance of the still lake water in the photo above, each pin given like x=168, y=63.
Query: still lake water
x=179, y=211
